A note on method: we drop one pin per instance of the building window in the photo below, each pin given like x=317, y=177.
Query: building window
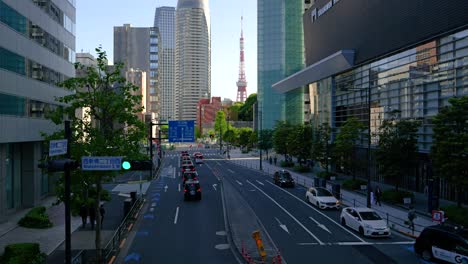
x=12, y=18
x=153, y=48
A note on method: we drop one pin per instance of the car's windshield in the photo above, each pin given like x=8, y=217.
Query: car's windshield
x=323, y=192
x=370, y=216
x=286, y=175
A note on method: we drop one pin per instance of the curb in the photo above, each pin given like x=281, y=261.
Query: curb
x=405, y=233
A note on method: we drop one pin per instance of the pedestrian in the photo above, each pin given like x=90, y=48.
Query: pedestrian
x=92, y=216
x=84, y=214
x=372, y=197
x=411, y=217
x=378, y=195
x=102, y=211
x=275, y=160
x=271, y=160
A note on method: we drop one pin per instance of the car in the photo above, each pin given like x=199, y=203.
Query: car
x=283, y=178
x=365, y=220
x=189, y=175
x=187, y=168
x=185, y=158
x=186, y=162
x=195, y=154
x=443, y=242
x=198, y=160
x=322, y=198
x=192, y=190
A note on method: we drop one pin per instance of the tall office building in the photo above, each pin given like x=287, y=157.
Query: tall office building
x=280, y=53
x=193, y=57
x=138, y=49
x=37, y=50
x=164, y=19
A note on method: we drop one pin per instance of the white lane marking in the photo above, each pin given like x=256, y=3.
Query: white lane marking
x=240, y=183
x=174, y=173
x=214, y=186
x=322, y=214
x=179, y=187
x=231, y=171
x=282, y=225
x=307, y=244
x=165, y=188
x=259, y=182
x=151, y=209
x=352, y=243
x=395, y=243
x=288, y=213
x=176, y=215
x=320, y=225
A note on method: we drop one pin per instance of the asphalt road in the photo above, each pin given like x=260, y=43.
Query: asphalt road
x=304, y=233
x=176, y=231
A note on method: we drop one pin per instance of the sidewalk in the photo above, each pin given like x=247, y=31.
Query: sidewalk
x=394, y=215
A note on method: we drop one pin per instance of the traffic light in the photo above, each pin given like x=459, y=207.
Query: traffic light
x=137, y=165
x=59, y=165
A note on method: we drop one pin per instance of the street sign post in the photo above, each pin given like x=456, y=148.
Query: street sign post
x=101, y=163
x=181, y=131
x=58, y=147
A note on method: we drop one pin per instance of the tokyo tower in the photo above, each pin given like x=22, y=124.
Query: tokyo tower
x=242, y=82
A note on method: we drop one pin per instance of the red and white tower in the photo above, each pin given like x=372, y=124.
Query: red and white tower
x=242, y=82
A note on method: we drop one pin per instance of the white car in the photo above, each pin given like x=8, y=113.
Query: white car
x=364, y=220
x=322, y=198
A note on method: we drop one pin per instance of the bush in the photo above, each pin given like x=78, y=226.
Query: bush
x=299, y=168
x=325, y=175
x=36, y=218
x=23, y=253
x=286, y=164
x=353, y=184
x=456, y=215
x=396, y=197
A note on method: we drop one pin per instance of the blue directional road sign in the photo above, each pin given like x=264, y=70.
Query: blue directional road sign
x=58, y=147
x=100, y=163
x=182, y=131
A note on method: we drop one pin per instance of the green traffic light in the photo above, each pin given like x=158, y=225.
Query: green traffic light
x=126, y=165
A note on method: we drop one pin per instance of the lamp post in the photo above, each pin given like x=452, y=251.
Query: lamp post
x=260, y=137
x=228, y=155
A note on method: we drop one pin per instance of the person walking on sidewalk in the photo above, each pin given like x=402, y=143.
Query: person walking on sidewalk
x=84, y=214
x=411, y=217
x=102, y=212
x=378, y=195
x=92, y=216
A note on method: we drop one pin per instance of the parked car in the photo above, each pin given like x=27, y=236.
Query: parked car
x=443, y=242
x=322, y=198
x=364, y=220
x=192, y=190
x=283, y=178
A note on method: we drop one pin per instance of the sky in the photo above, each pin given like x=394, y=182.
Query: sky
x=95, y=21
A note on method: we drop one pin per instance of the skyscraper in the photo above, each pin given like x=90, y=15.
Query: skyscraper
x=37, y=50
x=280, y=53
x=164, y=19
x=137, y=48
x=193, y=57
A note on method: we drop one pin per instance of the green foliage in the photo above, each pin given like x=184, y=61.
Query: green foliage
x=246, y=135
x=300, y=141
x=265, y=140
x=23, y=253
x=320, y=144
x=286, y=164
x=450, y=148
x=353, y=184
x=220, y=125
x=345, y=142
x=396, y=197
x=397, y=151
x=325, y=175
x=246, y=109
x=197, y=132
x=36, y=218
x=299, y=168
x=280, y=135
x=457, y=215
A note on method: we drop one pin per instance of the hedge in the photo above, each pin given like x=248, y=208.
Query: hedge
x=299, y=168
x=36, y=218
x=353, y=184
x=23, y=253
x=456, y=215
x=325, y=175
x=286, y=164
x=396, y=197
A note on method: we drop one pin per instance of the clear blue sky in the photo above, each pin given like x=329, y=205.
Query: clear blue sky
x=95, y=21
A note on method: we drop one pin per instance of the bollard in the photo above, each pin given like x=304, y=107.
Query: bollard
x=354, y=202
x=387, y=219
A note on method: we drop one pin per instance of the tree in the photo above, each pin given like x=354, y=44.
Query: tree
x=110, y=127
x=344, y=144
x=245, y=137
x=397, y=150
x=300, y=141
x=246, y=109
x=321, y=144
x=220, y=125
x=450, y=148
x=280, y=143
x=265, y=140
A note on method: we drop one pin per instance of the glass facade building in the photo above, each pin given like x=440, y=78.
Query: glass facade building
x=164, y=19
x=37, y=51
x=280, y=53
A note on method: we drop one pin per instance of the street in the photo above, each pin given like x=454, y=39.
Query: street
x=174, y=231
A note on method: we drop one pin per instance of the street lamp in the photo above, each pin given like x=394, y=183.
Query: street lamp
x=260, y=137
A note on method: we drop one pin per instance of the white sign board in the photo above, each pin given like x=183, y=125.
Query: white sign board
x=58, y=147
x=101, y=163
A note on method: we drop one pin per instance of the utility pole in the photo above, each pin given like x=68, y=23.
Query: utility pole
x=369, y=149
x=68, y=257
